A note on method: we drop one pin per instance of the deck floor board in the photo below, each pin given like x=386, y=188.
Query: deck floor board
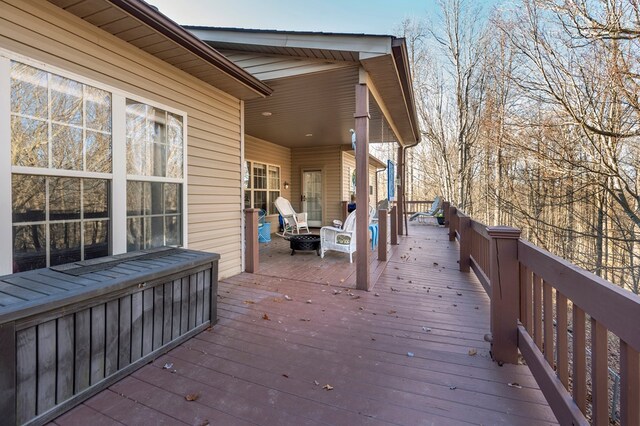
x=397, y=355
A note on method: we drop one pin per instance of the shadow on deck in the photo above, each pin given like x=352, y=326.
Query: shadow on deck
x=396, y=355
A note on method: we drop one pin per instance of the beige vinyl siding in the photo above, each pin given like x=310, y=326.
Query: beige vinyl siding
x=267, y=152
x=349, y=162
x=327, y=159
x=43, y=32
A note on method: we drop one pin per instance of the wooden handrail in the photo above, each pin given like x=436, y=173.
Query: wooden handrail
x=544, y=289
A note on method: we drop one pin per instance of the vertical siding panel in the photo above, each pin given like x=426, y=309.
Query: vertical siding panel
x=136, y=326
x=98, y=335
x=26, y=375
x=124, y=339
x=168, y=312
x=46, y=366
x=65, y=358
x=147, y=321
x=158, y=312
x=112, y=321
x=184, y=309
x=83, y=343
x=177, y=308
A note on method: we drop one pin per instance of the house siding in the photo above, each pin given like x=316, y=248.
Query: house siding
x=268, y=152
x=349, y=161
x=327, y=159
x=43, y=32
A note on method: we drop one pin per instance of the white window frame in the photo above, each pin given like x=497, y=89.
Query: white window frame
x=118, y=176
x=252, y=188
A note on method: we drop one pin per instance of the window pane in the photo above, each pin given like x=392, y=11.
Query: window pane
x=135, y=234
x=260, y=200
x=247, y=199
x=66, y=147
x=274, y=177
x=29, y=142
x=136, y=139
x=29, y=95
x=138, y=198
x=156, y=236
x=95, y=198
x=172, y=199
x=147, y=141
x=98, y=109
x=173, y=231
x=66, y=100
x=96, y=239
x=246, y=171
x=259, y=176
x=175, y=146
x=28, y=198
x=64, y=245
x=272, y=198
x=157, y=198
x=29, y=247
x=98, y=152
x=64, y=198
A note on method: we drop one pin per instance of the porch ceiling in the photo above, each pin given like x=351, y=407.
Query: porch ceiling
x=321, y=104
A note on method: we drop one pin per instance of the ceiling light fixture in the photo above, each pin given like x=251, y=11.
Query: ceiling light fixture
x=267, y=114
x=309, y=135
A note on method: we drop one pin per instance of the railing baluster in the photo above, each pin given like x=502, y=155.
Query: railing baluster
x=579, y=379
x=525, y=297
x=547, y=297
x=629, y=385
x=562, y=352
x=599, y=374
x=537, y=311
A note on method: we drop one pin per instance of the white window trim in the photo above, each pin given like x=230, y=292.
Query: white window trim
x=118, y=177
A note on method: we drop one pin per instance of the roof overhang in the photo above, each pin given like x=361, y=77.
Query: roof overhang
x=313, y=76
x=143, y=26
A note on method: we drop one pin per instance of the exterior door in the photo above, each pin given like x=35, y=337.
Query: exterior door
x=312, y=196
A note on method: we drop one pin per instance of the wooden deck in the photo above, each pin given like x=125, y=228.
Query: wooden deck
x=398, y=355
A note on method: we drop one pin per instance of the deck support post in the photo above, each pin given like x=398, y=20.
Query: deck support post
x=445, y=212
x=464, y=227
x=400, y=190
x=453, y=212
x=504, y=274
x=251, y=253
x=363, y=279
x=394, y=226
x=383, y=229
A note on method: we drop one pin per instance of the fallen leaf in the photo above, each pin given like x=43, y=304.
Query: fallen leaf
x=373, y=339
x=305, y=319
x=317, y=383
x=342, y=280
x=427, y=329
x=287, y=298
x=192, y=397
x=377, y=295
x=410, y=354
x=515, y=385
x=361, y=308
x=458, y=293
x=355, y=297
x=453, y=387
x=266, y=317
x=285, y=375
x=435, y=263
x=327, y=387
x=204, y=423
x=168, y=366
x=392, y=312
x=309, y=301
x=473, y=351
x=394, y=289
x=249, y=302
x=448, y=286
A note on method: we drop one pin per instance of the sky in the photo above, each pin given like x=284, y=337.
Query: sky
x=343, y=16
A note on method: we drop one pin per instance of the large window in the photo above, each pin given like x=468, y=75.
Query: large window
x=262, y=186
x=154, y=170
x=61, y=169
x=64, y=185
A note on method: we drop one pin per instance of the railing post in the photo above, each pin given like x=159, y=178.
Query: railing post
x=452, y=222
x=251, y=254
x=344, y=209
x=394, y=226
x=8, y=373
x=464, y=227
x=504, y=274
x=445, y=212
x=400, y=210
x=382, y=235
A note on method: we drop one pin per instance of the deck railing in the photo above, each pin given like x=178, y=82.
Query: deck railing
x=562, y=319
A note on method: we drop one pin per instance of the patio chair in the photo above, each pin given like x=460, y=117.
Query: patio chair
x=340, y=239
x=293, y=222
x=436, y=206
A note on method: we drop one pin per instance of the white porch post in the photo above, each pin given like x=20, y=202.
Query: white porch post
x=363, y=279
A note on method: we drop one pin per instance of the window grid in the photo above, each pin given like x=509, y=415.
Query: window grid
x=263, y=187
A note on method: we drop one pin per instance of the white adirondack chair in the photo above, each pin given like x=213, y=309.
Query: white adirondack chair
x=293, y=222
x=340, y=239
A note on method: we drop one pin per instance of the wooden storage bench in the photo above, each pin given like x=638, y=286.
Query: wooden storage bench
x=68, y=332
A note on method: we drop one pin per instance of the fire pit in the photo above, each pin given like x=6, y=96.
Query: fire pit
x=304, y=242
